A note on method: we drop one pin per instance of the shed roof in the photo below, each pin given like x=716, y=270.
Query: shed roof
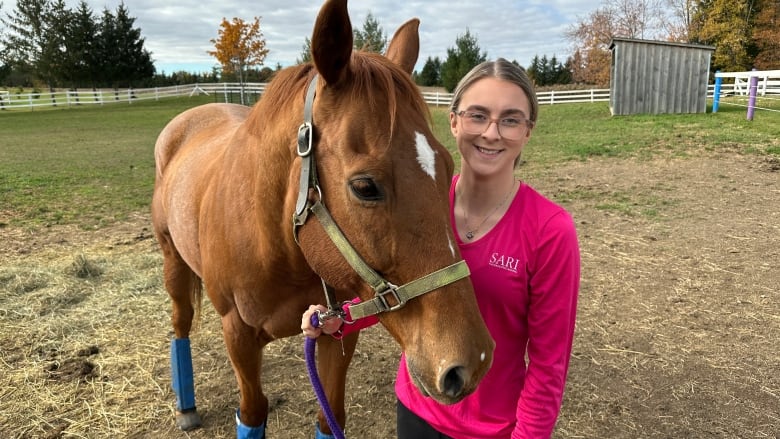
x=660, y=43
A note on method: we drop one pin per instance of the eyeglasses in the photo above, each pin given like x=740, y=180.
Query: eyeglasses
x=509, y=127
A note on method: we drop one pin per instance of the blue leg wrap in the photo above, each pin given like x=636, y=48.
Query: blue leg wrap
x=181, y=374
x=247, y=432
x=320, y=435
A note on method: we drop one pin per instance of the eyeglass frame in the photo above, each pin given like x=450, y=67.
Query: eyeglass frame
x=529, y=124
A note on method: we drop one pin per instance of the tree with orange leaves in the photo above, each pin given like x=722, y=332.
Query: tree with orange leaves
x=766, y=35
x=239, y=46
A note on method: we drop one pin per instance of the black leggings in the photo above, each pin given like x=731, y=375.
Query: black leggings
x=411, y=426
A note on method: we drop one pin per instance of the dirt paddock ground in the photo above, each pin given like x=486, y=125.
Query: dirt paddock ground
x=678, y=330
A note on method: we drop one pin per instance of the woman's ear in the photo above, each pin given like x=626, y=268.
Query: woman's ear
x=528, y=132
x=453, y=124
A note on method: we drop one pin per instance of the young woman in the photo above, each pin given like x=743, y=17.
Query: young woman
x=524, y=259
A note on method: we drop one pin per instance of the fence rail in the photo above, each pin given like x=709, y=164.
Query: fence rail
x=232, y=92
x=768, y=82
x=227, y=92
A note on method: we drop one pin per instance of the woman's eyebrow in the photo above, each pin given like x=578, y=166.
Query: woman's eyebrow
x=510, y=111
x=513, y=111
x=507, y=112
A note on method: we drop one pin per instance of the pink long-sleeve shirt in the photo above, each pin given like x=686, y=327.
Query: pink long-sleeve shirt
x=526, y=273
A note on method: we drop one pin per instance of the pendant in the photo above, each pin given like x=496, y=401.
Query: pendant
x=470, y=234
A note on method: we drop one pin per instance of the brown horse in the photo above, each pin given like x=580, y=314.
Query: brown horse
x=233, y=189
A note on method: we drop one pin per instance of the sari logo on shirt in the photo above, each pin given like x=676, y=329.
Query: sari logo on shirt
x=504, y=262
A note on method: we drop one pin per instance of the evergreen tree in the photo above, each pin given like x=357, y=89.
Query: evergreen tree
x=545, y=71
x=549, y=72
x=534, y=71
x=135, y=62
x=23, y=39
x=372, y=38
x=305, y=52
x=48, y=41
x=5, y=71
x=81, y=67
x=460, y=59
x=431, y=73
x=120, y=50
x=54, y=32
x=564, y=75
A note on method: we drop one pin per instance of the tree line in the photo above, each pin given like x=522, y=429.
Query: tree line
x=59, y=46
x=43, y=41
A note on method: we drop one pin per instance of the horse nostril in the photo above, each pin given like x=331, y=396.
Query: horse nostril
x=453, y=381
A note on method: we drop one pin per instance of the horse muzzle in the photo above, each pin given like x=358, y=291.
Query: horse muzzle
x=454, y=380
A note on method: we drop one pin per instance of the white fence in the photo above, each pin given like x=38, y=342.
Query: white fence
x=227, y=92
x=754, y=90
x=544, y=97
x=70, y=98
x=230, y=92
x=768, y=82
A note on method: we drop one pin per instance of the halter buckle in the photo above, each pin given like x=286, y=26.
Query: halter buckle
x=304, y=139
x=391, y=291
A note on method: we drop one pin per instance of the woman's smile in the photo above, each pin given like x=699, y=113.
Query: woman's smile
x=488, y=151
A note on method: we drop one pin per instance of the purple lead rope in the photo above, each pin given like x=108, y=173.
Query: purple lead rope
x=311, y=365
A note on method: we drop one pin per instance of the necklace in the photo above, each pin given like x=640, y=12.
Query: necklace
x=471, y=232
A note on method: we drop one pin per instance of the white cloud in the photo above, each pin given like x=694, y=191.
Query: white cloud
x=178, y=33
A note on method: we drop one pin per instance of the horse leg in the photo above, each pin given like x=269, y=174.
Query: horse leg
x=184, y=288
x=245, y=347
x=333, y=358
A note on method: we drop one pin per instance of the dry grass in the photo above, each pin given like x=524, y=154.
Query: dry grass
x=85, y=331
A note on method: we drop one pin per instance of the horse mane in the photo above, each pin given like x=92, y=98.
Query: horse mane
x=285, y=84
x=369, y=72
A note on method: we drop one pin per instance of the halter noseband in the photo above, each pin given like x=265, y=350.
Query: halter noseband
x=387, y=296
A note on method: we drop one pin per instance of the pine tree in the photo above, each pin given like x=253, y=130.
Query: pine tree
x=533, y=70
x=81, y=68
x=372, y=38
x=23, y=39
x=135, y=62
x=305, y=52
x=430, y=76
x=460, y=59
x=119, y=50
x=54, y=32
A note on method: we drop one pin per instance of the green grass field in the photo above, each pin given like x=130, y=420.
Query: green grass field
x=94, y=166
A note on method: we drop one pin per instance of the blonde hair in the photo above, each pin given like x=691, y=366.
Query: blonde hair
x=501, y=69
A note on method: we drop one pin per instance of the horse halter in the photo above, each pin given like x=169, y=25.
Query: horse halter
x=387, y=296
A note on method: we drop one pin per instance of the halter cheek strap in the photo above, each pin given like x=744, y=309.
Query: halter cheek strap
x=308, y=178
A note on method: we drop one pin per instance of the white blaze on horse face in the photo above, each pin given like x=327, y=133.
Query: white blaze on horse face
x=426, y=156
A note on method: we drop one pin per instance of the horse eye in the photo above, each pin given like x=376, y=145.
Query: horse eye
x=365, y=189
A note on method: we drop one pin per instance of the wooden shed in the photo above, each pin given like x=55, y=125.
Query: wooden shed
x=654, y=77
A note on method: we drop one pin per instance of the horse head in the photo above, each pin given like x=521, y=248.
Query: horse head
x=384, y=179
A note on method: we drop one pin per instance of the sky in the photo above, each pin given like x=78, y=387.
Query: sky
x=178, y=32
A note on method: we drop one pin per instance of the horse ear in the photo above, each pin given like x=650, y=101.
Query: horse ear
x=404, y=48
x=331, y=41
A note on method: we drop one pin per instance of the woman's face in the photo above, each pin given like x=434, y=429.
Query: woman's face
x=489, y=152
